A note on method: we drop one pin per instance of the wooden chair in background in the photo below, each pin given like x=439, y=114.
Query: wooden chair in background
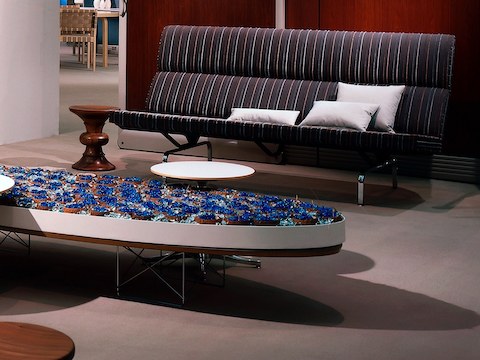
x=79, y=25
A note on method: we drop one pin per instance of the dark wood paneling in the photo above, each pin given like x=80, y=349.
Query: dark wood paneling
x=147, y=18
x=381, y=15
x=458, y=17
x=463, y=127
x=302, y=14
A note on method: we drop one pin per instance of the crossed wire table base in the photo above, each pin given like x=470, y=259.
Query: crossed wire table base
x=157, y=265
x=13, y=236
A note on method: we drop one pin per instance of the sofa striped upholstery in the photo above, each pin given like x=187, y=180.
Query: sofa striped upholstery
x=205, y=71
x=357, y=57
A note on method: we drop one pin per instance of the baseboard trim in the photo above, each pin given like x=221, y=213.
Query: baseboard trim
x=442, y=167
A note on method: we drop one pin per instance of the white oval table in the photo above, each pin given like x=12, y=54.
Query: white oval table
x=202, y=171
x=6, y=183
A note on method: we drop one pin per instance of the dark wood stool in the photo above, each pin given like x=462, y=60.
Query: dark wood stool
x=29, y=341
x=94, y=117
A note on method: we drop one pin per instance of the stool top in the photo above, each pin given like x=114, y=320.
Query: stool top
x=95, y=111
x=30, y=341
x=93, y=108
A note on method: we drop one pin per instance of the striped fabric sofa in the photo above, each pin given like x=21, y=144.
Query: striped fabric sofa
x=204, y=72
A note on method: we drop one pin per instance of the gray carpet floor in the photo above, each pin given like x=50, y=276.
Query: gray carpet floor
x=404, y=286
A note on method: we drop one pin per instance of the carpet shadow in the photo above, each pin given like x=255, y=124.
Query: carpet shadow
x=381, y=307
x=246, y=299
x=52, y=277
x=315, y=292
x=326, y=298
x=332, y=190
x=329, y=298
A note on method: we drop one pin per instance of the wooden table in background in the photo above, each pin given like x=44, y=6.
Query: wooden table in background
x=104, y=15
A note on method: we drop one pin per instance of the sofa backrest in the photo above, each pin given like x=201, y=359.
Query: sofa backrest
x=205, y=71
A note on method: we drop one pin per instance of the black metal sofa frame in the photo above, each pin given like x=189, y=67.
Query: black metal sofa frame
x=204, y=72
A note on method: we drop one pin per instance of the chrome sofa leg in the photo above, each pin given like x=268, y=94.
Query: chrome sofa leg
x=392, y=162
x=360, y=189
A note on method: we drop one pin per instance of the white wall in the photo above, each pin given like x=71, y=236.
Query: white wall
x=122, y=57
x=29, y=69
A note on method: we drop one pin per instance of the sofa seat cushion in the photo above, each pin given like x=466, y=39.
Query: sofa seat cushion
x=348, y=139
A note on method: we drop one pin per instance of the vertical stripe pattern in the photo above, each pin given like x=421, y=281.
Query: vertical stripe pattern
x=205, y=71
x=318, y=55
x=216, y=95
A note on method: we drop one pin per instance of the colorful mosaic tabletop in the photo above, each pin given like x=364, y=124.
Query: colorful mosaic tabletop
x=153, y=200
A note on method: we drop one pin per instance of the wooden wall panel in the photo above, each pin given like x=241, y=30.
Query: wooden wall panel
x=302, y=14
x=458, y=17
x=146, y=19
x=463, y=126
x=381, y=15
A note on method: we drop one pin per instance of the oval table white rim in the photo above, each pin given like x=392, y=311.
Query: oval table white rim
x=6, y=183
x=205, y=238
x=202, y=170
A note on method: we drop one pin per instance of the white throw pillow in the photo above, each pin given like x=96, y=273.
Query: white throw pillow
x=388, y=97
x=287, y=117
x=351, y=115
